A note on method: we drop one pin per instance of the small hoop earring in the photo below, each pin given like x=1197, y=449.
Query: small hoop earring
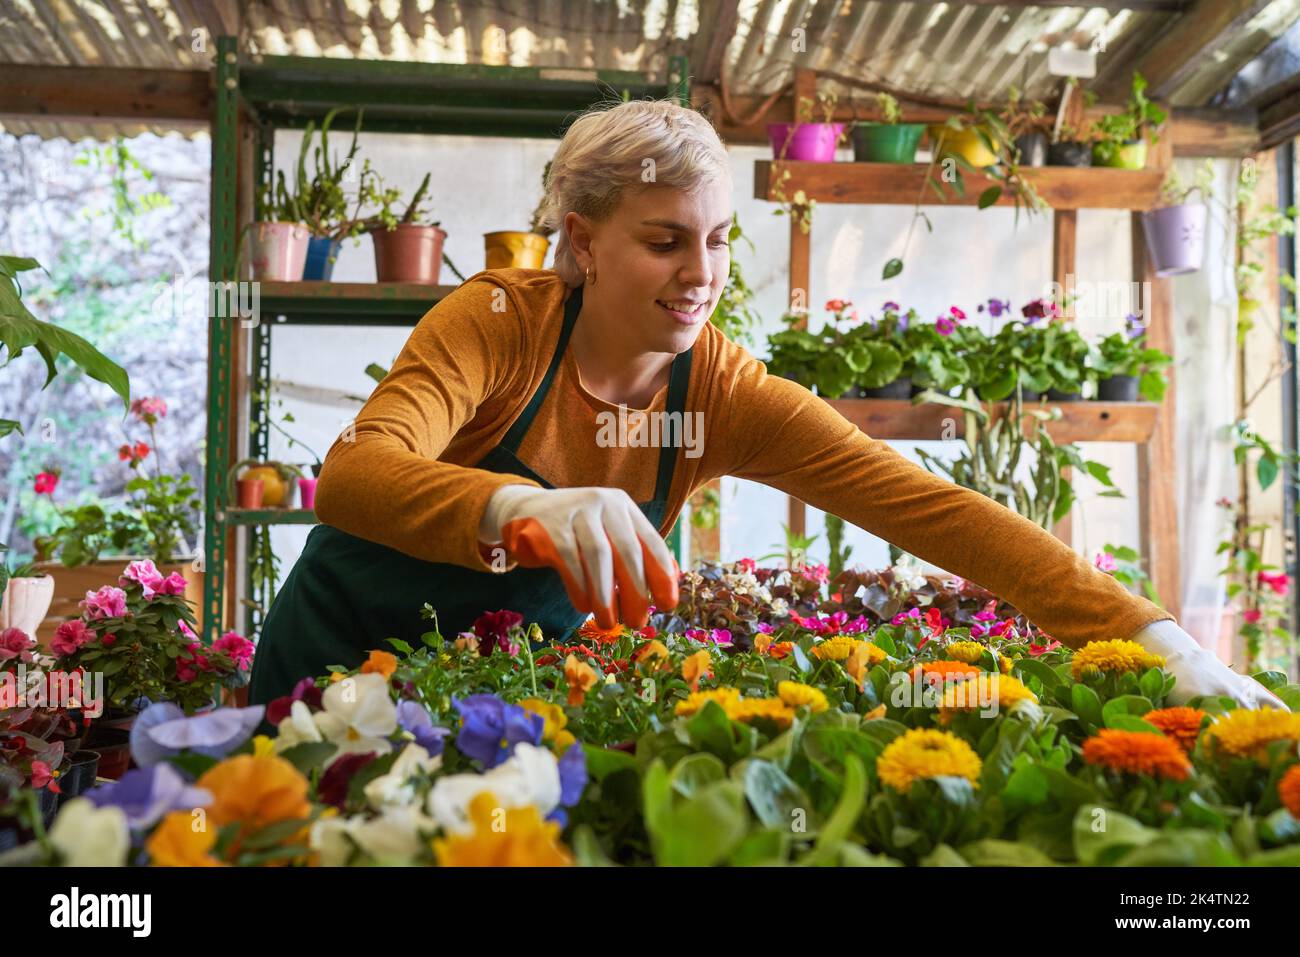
x=589, y=278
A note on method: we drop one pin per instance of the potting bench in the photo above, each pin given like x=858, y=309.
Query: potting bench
x=1149, y=426
x=253, y=97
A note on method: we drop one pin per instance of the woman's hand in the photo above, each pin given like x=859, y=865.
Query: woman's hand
x=1199, y=671
x=597, y=539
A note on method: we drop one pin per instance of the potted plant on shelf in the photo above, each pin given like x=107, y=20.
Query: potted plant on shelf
x=891, y=331
x=509, y=248
x=938, y=353
x=1026, y=125
x=1126, y=367
x=1065, y=353
x=959, y=138
x=280, y=235
x=1175, y=231
x=263, y=483
x=25, y=595
x=1123, y=137
x=888, y=140
x=1014, y=360
x=868, y=359
x=322, y=202
x=807, y=139
x=408, y=248
x=1071, y=145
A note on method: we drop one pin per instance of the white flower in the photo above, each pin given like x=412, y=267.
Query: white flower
x=529, y=777
x=359, y=715
x=395, y=837
x=331, y=840
x=908, y=572
x=397, y=787
x=780, y=608
x=88, y=836
x=296, y=727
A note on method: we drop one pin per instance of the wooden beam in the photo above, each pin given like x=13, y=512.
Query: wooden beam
x=1064, y=229
x=718, y=22
x=1083, y=421
x=92, y=93
x=1191, y=41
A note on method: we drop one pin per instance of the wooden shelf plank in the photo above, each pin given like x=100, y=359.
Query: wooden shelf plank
x=901, y=184
x=1086, y=421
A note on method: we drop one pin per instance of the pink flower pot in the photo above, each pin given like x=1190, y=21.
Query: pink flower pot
x=279, y=251
x=810, y=142
x=307, y=492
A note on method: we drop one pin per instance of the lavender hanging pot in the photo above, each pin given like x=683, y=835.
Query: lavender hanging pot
x=1176, y=238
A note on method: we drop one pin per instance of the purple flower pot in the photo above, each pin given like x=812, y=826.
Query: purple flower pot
x=809, y=142
x=1176, y=238
x=307, y=493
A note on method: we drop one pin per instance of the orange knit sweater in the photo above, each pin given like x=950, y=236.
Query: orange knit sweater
x=404, y=476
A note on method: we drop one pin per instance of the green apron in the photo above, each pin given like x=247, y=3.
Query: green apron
x=346, y=595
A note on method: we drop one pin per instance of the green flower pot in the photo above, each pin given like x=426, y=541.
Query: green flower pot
x=1120, y=155
x=886, y=142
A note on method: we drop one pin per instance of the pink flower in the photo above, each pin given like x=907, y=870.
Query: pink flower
x=1036, y=650
x=1252, y=615
x=944, y=326
x=1279, y=582
x=957, y=313
x=720, y=636
x=173, y=584
x=902, y=616
x=108, y=602
x=144, y=573
x=186, y=630
x=239, y=648
x=190, y=663
x=46, y=482
x=43, y=774
x=1224, y=502
x=15, y=643
x=1105, y=561
x=746, y=565
x=815, y=573
x=764, y=627
x=70, y=636
x=696, y=634
x=836, y=305
x=149, y=409
x=986, y=613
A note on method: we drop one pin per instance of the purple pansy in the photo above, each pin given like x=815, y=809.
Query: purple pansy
x=162, y=730
x=414, y=717
x=146, y=794
x=490, y=728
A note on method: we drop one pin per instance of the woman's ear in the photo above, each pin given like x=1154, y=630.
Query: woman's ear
x=578, y=230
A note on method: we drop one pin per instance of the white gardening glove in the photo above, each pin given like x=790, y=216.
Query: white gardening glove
x=1199, y=671
x=600, y=542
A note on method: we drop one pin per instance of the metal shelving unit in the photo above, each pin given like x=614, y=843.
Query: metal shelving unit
x=254, y=96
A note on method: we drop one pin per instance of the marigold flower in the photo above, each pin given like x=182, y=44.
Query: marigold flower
x=380, y=663
x=998, y=691
x=1115, y=656
x=771, y=709
x=1288, y=791
x=695, y=667
x=1247, y=734
x=967, y=651
x=503, y=837
x=580, y=677
x=590, y=631
x=1137, y=752
x=862, y=657
x=926, y=753
x=796, y=695
x=176, y=842
x=947, y=670
x=1181, y=724
x=833, y=649
x=726, y=697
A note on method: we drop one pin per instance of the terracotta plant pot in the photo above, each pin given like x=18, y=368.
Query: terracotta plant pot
x=114, y=748
x=279, y=251
x=508, y=249
x=808, y=142
x=307, y=493
x=26, y=602
x=1175, y=238
x=249, y=492
x=276, y=478
x=409, y=254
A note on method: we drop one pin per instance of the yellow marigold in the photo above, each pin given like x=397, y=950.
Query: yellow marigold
x=926, y=753
x=178, y=842
x=580, y=678
x=1181, y=724
x=1247, y=734
x=833, y=649
x=503, y=837
x=998, y=691
x=752, y=709
x=380, y=663
x=796, y=695
x=590, y=631
x=255, y=793
x=1288, y=791
x=1137, y=752
x=1114, y=656
x=695, y=667
x=967, y=651
x=727, y=697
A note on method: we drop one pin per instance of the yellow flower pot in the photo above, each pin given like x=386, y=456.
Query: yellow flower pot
x=508, y=248
x=965, y=143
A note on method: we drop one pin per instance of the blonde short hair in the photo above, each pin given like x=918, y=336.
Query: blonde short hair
x=605, y=152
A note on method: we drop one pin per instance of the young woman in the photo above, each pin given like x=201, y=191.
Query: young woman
x=483, y=472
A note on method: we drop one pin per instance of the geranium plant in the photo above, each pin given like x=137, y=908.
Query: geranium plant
x=1127, y=354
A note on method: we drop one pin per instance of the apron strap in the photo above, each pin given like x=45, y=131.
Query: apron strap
x=515, y=435
x=676, y=404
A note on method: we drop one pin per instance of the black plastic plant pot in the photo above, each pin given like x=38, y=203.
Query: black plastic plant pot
x=315, y=469
x=80, y=775
x=1118, y=388
x=48, y=802
x=1056, y=395
x=898, y=389
x=1069, y=153
x=1033, y=149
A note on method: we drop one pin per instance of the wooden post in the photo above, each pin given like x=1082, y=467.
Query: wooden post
x=1064, y=227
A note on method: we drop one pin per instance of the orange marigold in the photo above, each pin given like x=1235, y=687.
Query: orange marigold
x=1288, y=790
x=1181, y=724
x=1137, y=752
x=946, y=670
x=591, y=631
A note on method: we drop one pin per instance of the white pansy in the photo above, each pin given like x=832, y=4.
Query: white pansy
x=396, y=837
x=397, y=787
x=297, y=727
x=89, y=836
x=359, y=715
x=530, y=777
x=331, y=840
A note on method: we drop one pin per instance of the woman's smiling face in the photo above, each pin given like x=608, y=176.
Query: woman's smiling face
x=660, y=261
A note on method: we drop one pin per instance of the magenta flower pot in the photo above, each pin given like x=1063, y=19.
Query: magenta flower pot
x=279, y=251
x=809, y=142
x=1176, y=238
x=307, y=492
